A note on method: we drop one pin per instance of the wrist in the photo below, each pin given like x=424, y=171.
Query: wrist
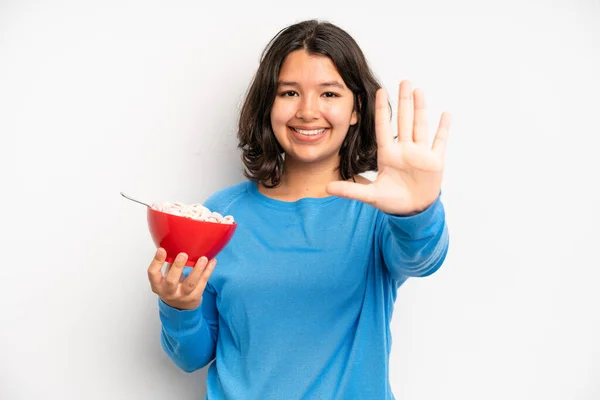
x=176, y=305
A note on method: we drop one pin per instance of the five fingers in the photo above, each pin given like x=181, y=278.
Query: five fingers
x=412, y=119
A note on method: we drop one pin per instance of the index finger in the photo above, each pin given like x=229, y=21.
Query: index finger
x=383, y=123
x=155, y=269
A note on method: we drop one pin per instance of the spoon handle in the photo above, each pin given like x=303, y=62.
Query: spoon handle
x=132, y=199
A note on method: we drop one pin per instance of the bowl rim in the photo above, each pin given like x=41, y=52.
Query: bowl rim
x=150, y=209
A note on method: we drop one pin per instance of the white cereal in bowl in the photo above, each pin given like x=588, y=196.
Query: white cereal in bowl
x=194, y=211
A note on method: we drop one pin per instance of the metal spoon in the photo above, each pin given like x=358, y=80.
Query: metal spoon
x=132, y=199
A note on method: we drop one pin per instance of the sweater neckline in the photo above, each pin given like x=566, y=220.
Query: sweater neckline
x=287, y=205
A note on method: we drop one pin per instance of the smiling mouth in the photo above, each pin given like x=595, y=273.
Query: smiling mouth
x=312, y=132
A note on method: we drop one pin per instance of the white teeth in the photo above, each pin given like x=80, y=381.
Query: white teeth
x=310, y=133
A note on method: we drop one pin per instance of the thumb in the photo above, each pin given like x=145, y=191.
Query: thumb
x=351, y=190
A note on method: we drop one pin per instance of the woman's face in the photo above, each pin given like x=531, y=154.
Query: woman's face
x=313, y=109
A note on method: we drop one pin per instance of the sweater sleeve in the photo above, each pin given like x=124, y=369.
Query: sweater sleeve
x=416, y=245
x=189, y=337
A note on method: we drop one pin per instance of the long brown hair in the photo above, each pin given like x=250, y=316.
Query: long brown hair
x=262, y=154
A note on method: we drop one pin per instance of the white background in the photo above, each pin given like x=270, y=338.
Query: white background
x=142, y=97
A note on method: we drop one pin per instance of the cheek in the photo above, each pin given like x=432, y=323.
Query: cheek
x=281, y=113
x=339, y=115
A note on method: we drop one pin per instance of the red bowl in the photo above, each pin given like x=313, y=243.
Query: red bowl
x=178, y=234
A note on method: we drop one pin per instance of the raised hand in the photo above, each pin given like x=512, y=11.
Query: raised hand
x=409, y=171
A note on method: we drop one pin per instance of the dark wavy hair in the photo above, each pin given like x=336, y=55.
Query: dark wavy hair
x=262, y=154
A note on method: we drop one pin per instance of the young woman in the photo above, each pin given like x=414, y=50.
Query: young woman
x=301, y=302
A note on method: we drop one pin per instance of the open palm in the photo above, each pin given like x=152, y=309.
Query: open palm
x=409, y=171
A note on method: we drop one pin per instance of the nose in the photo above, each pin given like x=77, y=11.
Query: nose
x=308, y=109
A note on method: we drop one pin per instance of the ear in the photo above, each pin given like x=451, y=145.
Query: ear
x=354, y=117
x=355, y=111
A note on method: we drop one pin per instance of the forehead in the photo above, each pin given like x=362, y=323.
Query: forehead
x=302, y=67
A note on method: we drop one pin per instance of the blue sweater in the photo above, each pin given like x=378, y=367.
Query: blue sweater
x=300, y=303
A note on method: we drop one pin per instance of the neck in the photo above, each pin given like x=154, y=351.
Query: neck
x=305, y=180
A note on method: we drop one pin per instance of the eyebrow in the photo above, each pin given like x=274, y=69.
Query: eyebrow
x=322, y=84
